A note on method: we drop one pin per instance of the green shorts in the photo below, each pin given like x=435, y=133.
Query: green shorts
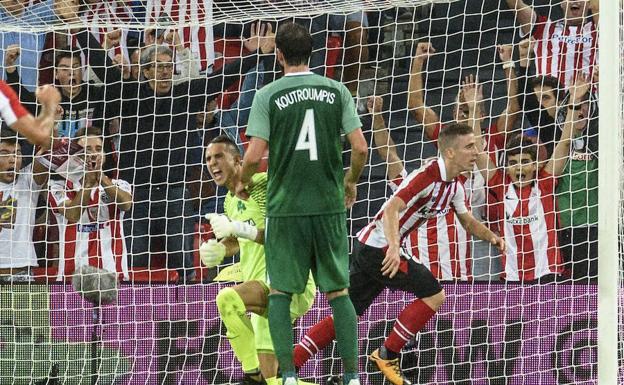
x=296, y=245
x=299, y=305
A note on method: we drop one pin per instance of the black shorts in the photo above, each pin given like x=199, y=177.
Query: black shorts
x=367, y=282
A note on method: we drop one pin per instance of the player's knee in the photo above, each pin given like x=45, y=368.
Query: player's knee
x=335, y=294
x=435, y=301
x=228, y=302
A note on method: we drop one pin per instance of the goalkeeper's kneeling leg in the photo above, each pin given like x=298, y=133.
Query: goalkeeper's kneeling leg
x=239, y=329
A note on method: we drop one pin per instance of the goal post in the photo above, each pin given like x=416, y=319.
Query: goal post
x=611, y=163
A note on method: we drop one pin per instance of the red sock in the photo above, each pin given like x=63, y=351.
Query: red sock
x=410, y=321
x=316, y=339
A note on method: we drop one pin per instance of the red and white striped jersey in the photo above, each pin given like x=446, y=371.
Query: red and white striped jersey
x=97, y=239
x=427, y=194
x=442, y=244
x=109, y=13
x=528, y=218
x=563, y=51
x=197, y=37
x=10, y=107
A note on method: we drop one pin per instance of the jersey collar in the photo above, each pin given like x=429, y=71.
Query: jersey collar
x=299, y=73
x=442, y=167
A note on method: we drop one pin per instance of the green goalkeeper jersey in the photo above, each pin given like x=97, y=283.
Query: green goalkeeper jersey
x=253, y=212
x=302, y=116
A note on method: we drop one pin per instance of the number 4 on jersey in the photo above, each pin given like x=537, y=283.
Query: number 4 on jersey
x=307, y=135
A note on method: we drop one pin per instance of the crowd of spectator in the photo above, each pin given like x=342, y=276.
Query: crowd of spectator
x=121, y=178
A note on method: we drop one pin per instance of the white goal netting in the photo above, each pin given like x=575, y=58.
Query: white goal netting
x=152, y=82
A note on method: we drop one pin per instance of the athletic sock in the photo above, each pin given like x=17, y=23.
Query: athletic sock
x=239, y=330
x=345, y=323
x=410, y=321
x=316, y=339
x=281, y=332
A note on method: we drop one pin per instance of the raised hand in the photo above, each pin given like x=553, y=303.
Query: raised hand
x=374, y=104
x=262, y=37
x=580, y=87
x=48, y=96
x=471, y=90
x=505, y=52
x=11, y=54
x=525, y=48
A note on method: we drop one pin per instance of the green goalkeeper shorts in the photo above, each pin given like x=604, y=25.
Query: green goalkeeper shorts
x=294, y=246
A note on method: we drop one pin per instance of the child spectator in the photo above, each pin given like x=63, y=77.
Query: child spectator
x=90, y=212
x=526, y=212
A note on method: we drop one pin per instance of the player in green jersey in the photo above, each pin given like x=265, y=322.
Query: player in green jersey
x=301, y=118
x=241, y=229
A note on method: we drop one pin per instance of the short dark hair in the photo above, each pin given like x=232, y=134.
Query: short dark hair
x=549, y=81
x=7, y=135
x=295, y=43
x=521, y=144
x=90, y=131
x=451, y=132
x=229, y=143
x=63, y=54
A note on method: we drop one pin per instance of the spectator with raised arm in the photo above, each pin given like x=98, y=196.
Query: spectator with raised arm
x=485, y=264
x=25, y=14
x=524, y=202
x=563, y=47
x=541, y=97
x=82, y=103
x=90, y=213
x=156, y=134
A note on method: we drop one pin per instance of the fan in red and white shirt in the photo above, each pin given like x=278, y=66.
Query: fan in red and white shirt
x=565, y=47
x=90, y=213
x=525, y=207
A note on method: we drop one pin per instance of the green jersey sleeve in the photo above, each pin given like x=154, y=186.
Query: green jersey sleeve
x=259, y=124
x=350, y=119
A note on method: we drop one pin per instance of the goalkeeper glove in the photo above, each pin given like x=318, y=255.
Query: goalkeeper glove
x=223, y=227
x=211, y=253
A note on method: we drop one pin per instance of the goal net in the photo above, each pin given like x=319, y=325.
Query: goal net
x=123, y=184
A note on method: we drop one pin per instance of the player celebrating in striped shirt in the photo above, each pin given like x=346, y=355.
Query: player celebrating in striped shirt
x=426, y=193
x=241, y=229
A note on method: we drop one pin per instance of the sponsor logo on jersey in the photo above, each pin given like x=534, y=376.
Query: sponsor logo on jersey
x=90, y=227
x=582, y=156
x=578, y=39
x=519, y=221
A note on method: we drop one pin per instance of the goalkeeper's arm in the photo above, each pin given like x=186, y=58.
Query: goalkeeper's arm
x=223, y=227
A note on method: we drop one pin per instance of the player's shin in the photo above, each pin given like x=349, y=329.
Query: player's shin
x=239, y=329
x=411, y=320
x=345, y=322
x=282, y=332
